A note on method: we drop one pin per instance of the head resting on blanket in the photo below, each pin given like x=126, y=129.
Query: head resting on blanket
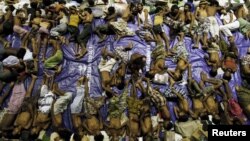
x=213, y=71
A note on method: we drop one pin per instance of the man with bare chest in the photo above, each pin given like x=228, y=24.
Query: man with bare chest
x=214, y=26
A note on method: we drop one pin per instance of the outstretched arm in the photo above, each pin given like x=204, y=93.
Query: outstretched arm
x=86, y=85
x=229, y=93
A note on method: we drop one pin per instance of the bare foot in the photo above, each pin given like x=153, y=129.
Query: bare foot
x=81, y=79
x=62, y=39
x=82, y=54
x=33, y=76
x=129, y=47
x=46, y=74
x=225, y=81
x=54, y=87
x=180, y=36
x=205, y=46
x=237, y=88
x=102, y=38
x=196, y=46
x=104, y=52
x=6, y=45
x=59, y=69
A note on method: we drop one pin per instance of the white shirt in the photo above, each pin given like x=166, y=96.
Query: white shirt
x=10, y=61
x=161, y=78
x=227, y=17
x=28, y=55
x=64, y=20
x=45, y=102
x=143, y=18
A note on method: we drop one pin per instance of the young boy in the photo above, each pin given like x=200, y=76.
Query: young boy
x=157, y=28
x=84, y=36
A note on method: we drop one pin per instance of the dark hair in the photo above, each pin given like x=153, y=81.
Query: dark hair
x=183, y=118
x=21, y=68
x=88, y=10
x=190, y=1
x=214, y=2
x=158, y=9
x=33, y=5
x=213, y=72
x=18, y=11
x=226, y=76
x=64, y=133
x=91, y=3
x=216, y=121
x=99, y=137
x=174, y=7
x=122, y=84
x=25, y=135
x=77, y=137
x=111, y=10
x=20, y=53
x=141, y=4
x=167, y=126
x=149, y=75
x=30, y=65
x=189, y=6
x=11, y=7
x=62, y=2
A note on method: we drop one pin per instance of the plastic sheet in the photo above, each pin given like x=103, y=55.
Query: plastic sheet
x=73, y=69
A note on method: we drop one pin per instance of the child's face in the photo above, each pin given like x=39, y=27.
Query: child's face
x=38, y=14
x=140, y=7
x=186, y=8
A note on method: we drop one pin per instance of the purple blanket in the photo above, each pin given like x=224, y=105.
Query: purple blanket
x=88, y=65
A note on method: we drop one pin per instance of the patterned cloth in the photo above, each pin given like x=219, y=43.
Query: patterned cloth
x=157, y=98
x=106, y=65
x=203, y=26
x=169, y=93
x=45, y=100
x=62, y=102
x=121, y=27
x=245, y=60
x=180, y=50
x=173, y=24
x=159, y=52
x=118, y=104
x=124, y=55
x=91, y=105
x=134, y=105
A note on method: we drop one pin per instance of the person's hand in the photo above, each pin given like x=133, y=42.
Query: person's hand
x=231, y=39
x=225, y=81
